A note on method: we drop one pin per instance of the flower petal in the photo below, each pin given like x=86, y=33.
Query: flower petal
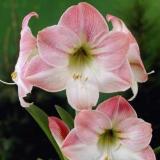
x=46, y=77
x=133, y=52
x=117, y=23
x=84, y=20
x=136, y=63
x=147, y=154
x=136, y=134
x=115, y=80
x=27, y=50
x=134, y=88
x=125, y=154
x=117, y=108
x=23, y=102
x=55, y=43
x=111, y=51
x=74, y=149
x=58, y=129
x=90, y=124
x=82, y=94
x=27, y=42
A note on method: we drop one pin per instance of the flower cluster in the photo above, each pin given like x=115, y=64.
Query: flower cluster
x=79, y=54
x=111, y=132
x=84, y=57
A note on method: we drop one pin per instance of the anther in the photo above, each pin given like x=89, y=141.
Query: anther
x=14, y=75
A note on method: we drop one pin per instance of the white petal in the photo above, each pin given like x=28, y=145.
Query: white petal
x=125, y=154
x=82, y=94
x=52, y=80
x=134, y=88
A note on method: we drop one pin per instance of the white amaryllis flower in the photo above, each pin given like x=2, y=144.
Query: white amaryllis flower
x=138, y=71
x=111, y=132
x=84, y=57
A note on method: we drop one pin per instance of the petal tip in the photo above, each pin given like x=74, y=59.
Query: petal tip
x=27, y=18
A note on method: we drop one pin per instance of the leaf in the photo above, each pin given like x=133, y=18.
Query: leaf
x=65, y=116
x=42, y=120
x=157, y=150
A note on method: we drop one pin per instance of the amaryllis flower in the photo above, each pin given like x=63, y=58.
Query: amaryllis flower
x=58, y=129
x=111, y=132
x=28, y=54
x=85, y=57
x=139, y=73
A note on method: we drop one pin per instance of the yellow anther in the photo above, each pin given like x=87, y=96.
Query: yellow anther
x=86, y=79
x=14, y=75
x=77, y=76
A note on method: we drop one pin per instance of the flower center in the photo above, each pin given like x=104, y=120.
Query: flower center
x=81, y=58
x=108, y=139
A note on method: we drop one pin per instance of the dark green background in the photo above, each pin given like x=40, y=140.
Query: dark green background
x=20, y=137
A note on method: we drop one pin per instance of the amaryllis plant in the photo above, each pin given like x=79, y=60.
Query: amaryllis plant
x=84, y=56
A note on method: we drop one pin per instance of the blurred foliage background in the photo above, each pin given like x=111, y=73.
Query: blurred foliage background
x=20, y=137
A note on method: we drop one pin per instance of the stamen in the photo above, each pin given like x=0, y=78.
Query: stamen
x=86, y=78
x=7, y=83
x=151, y=72
x=77, y=76
x=14, y=75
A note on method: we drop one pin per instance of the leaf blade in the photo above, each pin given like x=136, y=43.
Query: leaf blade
x=65, y=116
x=42, y=120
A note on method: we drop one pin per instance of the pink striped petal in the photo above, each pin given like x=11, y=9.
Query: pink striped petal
x=133, y=52
x=82, y=94
x=117, y=23
x=147, y=154
x=27, y=41
x=58, y=129
x=46, y=77
x=136, y=134
x=111, y=52
x=117, y=108
x=84, y=20
x=136, y=63
x=115, y=80
x=90, y=124
x=55, y=43
x=27, y=51
x=74, y=149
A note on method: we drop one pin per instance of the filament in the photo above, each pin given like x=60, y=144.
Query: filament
x=7, y=83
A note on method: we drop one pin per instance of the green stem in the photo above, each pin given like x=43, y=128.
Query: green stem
x=157, y=150
x=42, y=120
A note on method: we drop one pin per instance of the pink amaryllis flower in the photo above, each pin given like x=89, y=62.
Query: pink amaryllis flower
x=58, y=129
x=85, y=57
x=28, y=54
x=138, y=71
x=111, y=132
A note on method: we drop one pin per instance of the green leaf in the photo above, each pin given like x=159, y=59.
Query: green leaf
x=42, y=120
x=157, y=150
x=65, y=116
